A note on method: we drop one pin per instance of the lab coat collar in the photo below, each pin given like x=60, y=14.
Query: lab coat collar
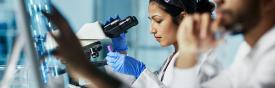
x=265, y=43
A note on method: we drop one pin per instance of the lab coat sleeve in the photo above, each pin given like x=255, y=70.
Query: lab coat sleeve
x=264, y=73
x=188, y=78
x=185, y=78
x=206, y=69
x=147, y=80
x=221, y=81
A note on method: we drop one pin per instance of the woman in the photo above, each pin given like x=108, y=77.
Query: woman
x=165, y=16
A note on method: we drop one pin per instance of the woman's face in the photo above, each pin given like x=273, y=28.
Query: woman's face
x=162, y=26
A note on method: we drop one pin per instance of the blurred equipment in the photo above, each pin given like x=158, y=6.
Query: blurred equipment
x=31, y=39
x=24, y=42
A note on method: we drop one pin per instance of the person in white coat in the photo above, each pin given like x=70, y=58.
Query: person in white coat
x=165, y=16
x=254, y=63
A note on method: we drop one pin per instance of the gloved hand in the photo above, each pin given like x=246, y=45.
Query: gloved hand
x=124, y=64
x=120, y=43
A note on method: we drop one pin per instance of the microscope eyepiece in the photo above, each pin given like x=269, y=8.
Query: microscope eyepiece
x=115, y=27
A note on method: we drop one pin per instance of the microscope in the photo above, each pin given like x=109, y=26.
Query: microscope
x=90, y=35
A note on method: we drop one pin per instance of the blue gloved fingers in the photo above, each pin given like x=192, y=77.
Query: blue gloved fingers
x=118, y=68
x=110, y=64
x=120, y=43
x=138, y=65
x=112, y=54
x=111, y=59
x=121, y=36
x=113, y=65
x=125, y=64
x=113, y=62
x=116, y=55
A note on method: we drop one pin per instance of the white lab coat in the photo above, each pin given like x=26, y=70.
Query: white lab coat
x=147, y=79
x=253, y=68
x=165, y=78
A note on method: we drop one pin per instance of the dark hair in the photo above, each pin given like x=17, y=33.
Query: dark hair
x=175, y=7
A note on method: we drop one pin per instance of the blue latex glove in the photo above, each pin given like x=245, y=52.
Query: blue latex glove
x=124, y=64
x=120, y=43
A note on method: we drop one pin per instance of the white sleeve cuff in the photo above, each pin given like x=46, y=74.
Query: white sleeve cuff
x=185, y=78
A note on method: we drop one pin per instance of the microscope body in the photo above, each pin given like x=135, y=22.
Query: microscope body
x=90, y=34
